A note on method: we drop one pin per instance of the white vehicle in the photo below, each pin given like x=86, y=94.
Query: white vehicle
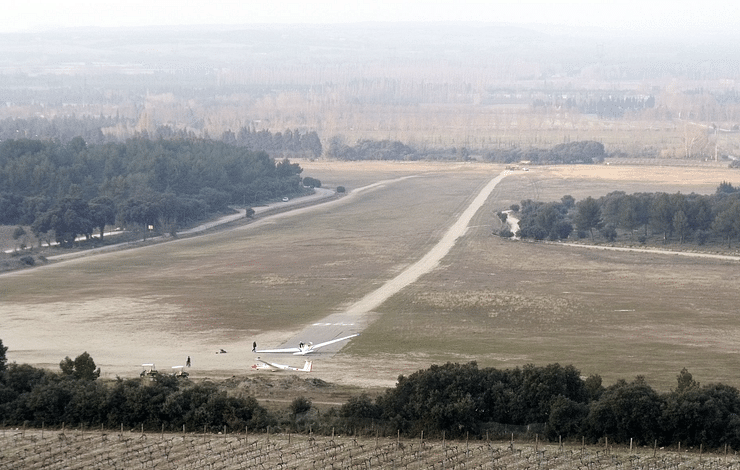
x=306, y=348
x=179, y=372
x=275, y=367
x=149, y=370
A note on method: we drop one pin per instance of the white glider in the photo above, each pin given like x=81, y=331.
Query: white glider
x=272, y=366
x=306, y=348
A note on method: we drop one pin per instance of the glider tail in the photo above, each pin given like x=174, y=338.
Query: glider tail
x=307, y=367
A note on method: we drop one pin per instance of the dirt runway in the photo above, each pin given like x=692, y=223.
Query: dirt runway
x=355, y=318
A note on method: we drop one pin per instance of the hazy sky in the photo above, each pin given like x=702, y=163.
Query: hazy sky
x=692, y=15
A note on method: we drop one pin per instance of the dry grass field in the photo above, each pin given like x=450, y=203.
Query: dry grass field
x=501, y=303
x=506, y=304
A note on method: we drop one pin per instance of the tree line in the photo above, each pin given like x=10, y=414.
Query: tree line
x=458, y=400
x=581, y=152
x=371, y=150
x=462, y=400
x=106, y=129
x=609, y=106
x=64, y=190
x=74, y=397
x=290, y=142
x=684, y=218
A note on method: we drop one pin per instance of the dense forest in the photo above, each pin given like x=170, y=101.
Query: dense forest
x=455, y=399
x=682, y=218
x=73, y=188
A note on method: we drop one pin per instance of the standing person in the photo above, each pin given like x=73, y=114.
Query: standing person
x=187, y=363
x=254, y=346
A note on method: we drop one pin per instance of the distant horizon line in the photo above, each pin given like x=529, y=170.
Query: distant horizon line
x=538, y=26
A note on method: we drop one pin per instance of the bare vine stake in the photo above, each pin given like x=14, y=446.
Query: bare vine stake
x=246, y=435
x=679, y=451
x=121, y=428
x=443, y=440
x=398, y=439
x=204, y=433
x=421, y=441
x=183, y=429
x=655, y=448
x=679, y=445
x=142, y=429
x=701, y=449
x=268, y=434
x=536, y=442
x=42, y=432
x=444, y=452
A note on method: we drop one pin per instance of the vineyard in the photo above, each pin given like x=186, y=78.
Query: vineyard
x=101, y=449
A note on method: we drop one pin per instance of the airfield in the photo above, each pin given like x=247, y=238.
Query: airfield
x=324, y=271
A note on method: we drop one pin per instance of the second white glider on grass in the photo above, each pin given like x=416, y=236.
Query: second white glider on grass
x=274, y=366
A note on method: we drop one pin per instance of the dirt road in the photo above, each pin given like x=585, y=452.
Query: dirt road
x=656, y=251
